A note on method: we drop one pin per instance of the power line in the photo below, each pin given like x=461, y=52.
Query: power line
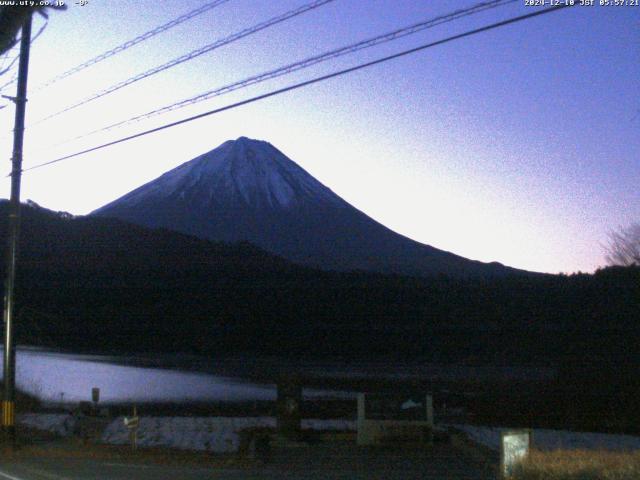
x=9, y=67
x=11, y=63
x=134, y=41
x=308, y=62
x=12, y=80
x=15, y=75
x=307, y=82
x=195, y=53
x=9, y=54
x=17, y=57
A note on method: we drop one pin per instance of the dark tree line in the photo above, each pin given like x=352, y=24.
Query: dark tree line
x=100, y=284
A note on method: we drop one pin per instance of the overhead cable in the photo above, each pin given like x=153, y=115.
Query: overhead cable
x=306, y=83
x=134, y=41
x=17, y=57
x=308, y=62
x=11, y=64
x=195, y=53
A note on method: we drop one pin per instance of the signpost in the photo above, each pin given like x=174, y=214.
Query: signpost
x=514, y=447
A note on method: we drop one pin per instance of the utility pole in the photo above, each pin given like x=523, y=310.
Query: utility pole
x=9, y=372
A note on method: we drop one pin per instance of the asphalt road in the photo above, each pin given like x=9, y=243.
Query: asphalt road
x=330, y=460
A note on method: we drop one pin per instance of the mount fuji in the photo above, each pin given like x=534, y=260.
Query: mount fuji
x=247, y=190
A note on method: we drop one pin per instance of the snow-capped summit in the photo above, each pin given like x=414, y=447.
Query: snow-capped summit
x=244, y=170
x=248, y=190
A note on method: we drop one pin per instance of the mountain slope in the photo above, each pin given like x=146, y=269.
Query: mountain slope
x=91, y=283
x=249, y=190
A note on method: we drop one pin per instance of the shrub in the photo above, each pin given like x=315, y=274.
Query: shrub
x=580, y=465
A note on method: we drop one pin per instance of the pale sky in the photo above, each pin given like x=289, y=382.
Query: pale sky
x=518, y=145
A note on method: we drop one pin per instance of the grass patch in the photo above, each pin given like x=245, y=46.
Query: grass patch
x=74, y=449
x=580, y=465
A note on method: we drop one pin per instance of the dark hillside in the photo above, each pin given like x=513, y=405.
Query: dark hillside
x=91, y=283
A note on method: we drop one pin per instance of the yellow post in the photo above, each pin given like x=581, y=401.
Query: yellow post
x=8, y=414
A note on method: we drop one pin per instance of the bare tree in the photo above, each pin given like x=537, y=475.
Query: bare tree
x=623, y=247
